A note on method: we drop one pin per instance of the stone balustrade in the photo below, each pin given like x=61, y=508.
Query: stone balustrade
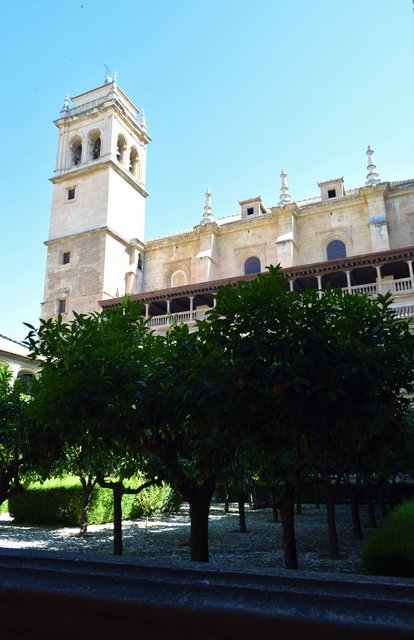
x=395, y=287
x=167, y=319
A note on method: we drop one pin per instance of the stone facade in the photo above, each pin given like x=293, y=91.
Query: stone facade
x=98, y=202
x=359, y=239
x=367, y=220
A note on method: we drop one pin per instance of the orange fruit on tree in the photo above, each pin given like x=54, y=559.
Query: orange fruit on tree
x=278, y=389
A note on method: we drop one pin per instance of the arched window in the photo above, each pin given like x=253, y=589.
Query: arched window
x=76, y=152
x=133, y=162
x=178, y=278
x=26, y=379
x=120, y=149
x=335, y=249
x=95, y=145
x=252, y=265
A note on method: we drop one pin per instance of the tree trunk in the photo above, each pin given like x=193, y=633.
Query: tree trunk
x=356, y=520
x=317, y=497
x=286, y=507
x=253, y=495
x=87, y=488
x=9, y=480
x=330, y=518
x=227, y=503
x=250, y=495
x=371, y=508
x=392, y=491
x=298, y=505
x=199, y=499
x=242, y=514
x=274, y=504
x=384, y=510
x=117, y=491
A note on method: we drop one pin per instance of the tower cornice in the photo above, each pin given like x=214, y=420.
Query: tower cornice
x=134, y=242
x=102, y=99
x=93, y=166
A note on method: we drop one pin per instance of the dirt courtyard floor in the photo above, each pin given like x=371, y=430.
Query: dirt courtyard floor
x=167, y=537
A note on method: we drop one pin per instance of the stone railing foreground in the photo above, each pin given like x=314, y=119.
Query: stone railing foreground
x=56, y=597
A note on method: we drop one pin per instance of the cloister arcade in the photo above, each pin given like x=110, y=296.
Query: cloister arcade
x=372, y=274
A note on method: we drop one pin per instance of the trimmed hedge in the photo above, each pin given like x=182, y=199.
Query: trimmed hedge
x=395, y=493
x=390, y=550
x=59, y=502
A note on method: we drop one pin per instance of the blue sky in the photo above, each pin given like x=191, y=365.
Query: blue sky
x=233, y=91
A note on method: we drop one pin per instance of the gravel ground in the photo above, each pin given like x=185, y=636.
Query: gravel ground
x=168, y=537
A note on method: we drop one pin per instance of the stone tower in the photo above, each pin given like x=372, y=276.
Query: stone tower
x=96, y=234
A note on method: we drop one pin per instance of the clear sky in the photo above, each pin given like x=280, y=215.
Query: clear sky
x=233, y=91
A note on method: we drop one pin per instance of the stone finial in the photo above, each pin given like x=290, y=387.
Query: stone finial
x=208, y=214
x=285, y=197
x=65, y=107
x=143, y=120
x=372, y=177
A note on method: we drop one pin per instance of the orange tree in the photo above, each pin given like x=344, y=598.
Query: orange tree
x=372, y=360
x=270, y=373
x=256, y=326
x=313, y=374
x=81, y=394
x=183, y=419
x=23, y=450
x=123, y=399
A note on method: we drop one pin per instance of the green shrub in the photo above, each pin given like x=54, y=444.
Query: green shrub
x=170, y=500
x=390, y=550
x=59, y=502
x=160, y=499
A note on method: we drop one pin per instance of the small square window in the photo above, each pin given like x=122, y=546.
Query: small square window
x=250, y=211
x=71, y=193
x=331, y=193
x=62, y=305
x=66, y=257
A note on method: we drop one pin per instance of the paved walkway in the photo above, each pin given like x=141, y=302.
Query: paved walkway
x=168, y=537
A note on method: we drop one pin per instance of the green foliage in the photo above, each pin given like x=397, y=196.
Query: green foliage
x=24, y=449
x=316, y=377
x=155, y=499
x=390, y=550
x=275, y=384
x=92, y=372
x=59, y=502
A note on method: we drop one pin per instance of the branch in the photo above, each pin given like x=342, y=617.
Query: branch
x=109, y=484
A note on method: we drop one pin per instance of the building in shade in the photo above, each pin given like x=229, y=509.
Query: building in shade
x=359, y=239
x=16, y=356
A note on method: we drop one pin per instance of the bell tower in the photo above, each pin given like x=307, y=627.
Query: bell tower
x=96, y=232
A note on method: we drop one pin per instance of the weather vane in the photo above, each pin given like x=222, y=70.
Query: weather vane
x=109, y=76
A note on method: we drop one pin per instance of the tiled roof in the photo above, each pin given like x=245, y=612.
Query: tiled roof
x=8, y=345
x=170, y=235
x=325, y=182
